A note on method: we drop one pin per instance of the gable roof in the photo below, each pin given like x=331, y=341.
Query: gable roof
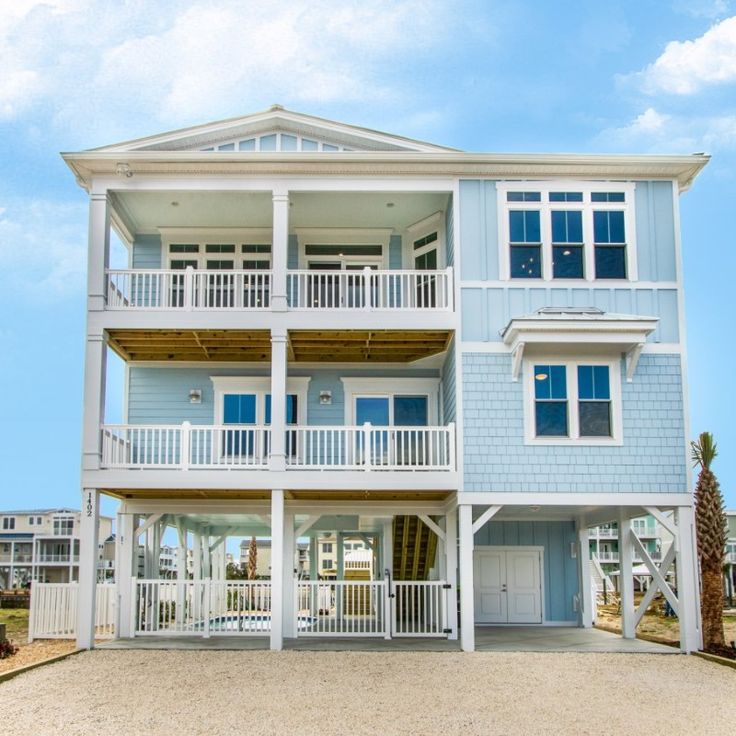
x=276, y=119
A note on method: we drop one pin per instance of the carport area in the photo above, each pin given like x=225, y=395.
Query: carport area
x=487, y=639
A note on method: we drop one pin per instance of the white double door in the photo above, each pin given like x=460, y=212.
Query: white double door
x=508, y=585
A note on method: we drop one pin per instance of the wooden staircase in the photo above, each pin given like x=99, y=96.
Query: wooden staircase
x=415, y=548
x=357, y=598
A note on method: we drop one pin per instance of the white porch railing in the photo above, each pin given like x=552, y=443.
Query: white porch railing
x=53, y=613
x=184, y=446
x=370, y=289
x=201, y=607
x=371, y=448
x=187, y=289
x=231, y=446
x=419, y=608
x=342, y=608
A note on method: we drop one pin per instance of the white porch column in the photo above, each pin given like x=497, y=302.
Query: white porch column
x=277, y=456
x=124, y=572
x=206, y=557
x=467, y=598
x=387, y=542
x=95, y=366
x=87, y=591
x=197, y=556
x=98, y=254
x=313, y=558
x=626, y=578
x=688, y=589
x=289, y=613
x=277, y=570
x=451, y=571
x=587, y=602
x=279, y=250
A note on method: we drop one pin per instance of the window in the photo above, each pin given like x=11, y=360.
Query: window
x=551, y=232
x=327, y=564
x=327, y=547
x=576, y=401
x=64, y=526
x=9, y=522
x=217, y=249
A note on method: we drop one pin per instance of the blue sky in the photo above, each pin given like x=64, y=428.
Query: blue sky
x=640, y=76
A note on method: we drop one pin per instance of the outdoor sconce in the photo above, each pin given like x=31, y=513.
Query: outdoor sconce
x=123, y=170
x=573, y=550
x=325, y=397
x=195, y=396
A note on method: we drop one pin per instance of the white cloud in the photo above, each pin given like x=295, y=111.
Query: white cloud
x=200, y=59
x=653, y=131
x=702, y=8
x=685, y=67
x=42, y=248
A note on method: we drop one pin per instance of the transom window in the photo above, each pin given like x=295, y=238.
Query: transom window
x=552, y=232
x=572, y=401
x=277, y=142
x=218, y=250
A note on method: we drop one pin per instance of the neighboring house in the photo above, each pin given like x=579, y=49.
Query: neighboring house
x=730, y=562
x=466, y=358
x=42, y=545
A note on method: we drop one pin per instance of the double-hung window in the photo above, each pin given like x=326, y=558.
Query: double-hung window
x=572, y=401
x=573, y=230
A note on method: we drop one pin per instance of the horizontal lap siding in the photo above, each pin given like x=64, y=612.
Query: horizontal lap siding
x=560, y=571
x=652, y=458
x=146, y=252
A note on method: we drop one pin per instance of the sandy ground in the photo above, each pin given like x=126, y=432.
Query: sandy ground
x=35, y=652
x=331, y=693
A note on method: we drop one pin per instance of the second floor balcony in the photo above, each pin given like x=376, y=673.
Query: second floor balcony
x=308, y=448
x=363, y=289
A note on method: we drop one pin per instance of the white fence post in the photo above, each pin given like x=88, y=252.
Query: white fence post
x=184, y=441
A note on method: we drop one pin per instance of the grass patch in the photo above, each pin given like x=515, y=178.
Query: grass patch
x=16, y=622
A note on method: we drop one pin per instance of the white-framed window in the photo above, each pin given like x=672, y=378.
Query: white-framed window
x=277, y=142
x=217, y=249
x=327, y=564
x=63, y=526
x=572, y=401
x=424, y=244
x=8, y=522
x=391, y=401
x=327, y=547
x=247, y=400
x=343, y=249
x=567, y=231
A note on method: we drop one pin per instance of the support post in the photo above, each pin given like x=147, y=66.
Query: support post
x=277, y=456
x=626, y=578
x=587, y=602
x=87, y=592
x=277, y=570
x=124, y=573
x=95, y=366
x=289, y=613
x=279, y=251
x=688, y=589
x=467, y=602
x=98, y=253
x=451, y=571
x=197, y=556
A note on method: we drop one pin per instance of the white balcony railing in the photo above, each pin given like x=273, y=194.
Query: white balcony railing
x=247, y=446
x=370, y=290
x=371, y=448
x=188, y=289
x=64, y=557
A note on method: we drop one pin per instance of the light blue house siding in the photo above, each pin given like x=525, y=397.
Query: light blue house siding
x=652, y=458
x=478, y=230
x=146, y=252
x=161, y=395
x=559, y=568
x=449, y=386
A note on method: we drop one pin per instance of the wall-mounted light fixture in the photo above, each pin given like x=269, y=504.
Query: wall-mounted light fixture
x=325, y=397
x=573, y=550
x=123, y=169
x=195, y=396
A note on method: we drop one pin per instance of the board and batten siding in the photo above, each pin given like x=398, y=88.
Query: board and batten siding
x=651, y=459
x=160, y=395
x=560, y=568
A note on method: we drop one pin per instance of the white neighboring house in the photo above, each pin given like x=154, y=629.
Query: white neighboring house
x=730, y=562
x=42, y=545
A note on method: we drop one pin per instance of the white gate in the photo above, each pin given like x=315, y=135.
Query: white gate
x=371, y=608
x=201, y=607
x=53, y=613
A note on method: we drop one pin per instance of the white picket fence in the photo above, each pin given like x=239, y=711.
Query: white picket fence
x=53, y=613
x=201, y=607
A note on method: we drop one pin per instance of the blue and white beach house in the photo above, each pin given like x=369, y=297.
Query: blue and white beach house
x=465, y=360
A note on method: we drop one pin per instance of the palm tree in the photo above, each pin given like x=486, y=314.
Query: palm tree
x=711, y=525
x=252, y=559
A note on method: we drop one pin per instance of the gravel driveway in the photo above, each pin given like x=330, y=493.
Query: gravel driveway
x=334, y=693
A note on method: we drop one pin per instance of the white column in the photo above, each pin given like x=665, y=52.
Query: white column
x=277, y=570
x=467, y=598
x=387, y=542
x=124, y=572
x=688, y=589
x=197, y=556
x=626, y=578
x=451, y=571
x=206, y=557
x=278, y=400
x=11, y=580
x=587, y=602
x=279, y=250
x=87, y=591
x=156, y=545
x=95, y=365
x=313, y=558
x=289, y=612
x=98, y=253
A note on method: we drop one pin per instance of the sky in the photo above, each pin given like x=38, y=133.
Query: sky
x=617, y=77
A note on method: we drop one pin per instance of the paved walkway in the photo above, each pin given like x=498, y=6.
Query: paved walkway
x=487, y=638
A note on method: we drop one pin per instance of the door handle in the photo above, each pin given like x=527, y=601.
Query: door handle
x=503, y=588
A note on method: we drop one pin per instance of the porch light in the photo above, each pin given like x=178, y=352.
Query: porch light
x=541, y=376
x=195, y=396
x=325, y=397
